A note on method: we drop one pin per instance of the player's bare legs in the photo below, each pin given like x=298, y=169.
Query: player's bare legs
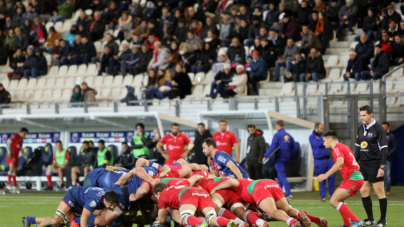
x=75, y=172
x=60, y=172
x=214, y=220
x=105, y=218
x=337, y=201
x=86, y=170
x=13, y=172
x=223, y=212
x=63, y=211
x=270, y=208
x=283, y=204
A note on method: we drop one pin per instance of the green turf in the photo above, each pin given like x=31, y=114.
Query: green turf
x=33, y=203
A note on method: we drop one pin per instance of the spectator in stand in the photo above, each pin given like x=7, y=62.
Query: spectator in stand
x=288, y=56
x=212, y=39
x=221, y=60
x=5, y=97
x=370, y=25
x=97, y=5
x=319, y=5
x=196, y=27
x=268, y=52
x=398, y=50
x=239, y=83
x=186, y=56
x=324, y=31
x=126, y=55
x=380, y=65
x=180, y=33
x=304, y=13
x=112, y=15
x=50, y=41
x=135, y=9
x=83, y=19
x=142, y=31
x=354, y=68
x=332, y=12
x=88, y=93
x=149, y=11
x=259, y=71
x=153, y=80
x=198, y=59
x=113, y=60
x=226, y=31
x=283, y=9
x=29, y=60
x=111, y=43
x=30, y=14
x=39, y=66
x=181, y=83
x=289, y=27
x=392, y=14
x=21, y=40
x=272, y=16
x=314, y=21
x=347, y=18
x=222, y=80
x=17, y=64
x=125, y=159
x=192, y=38
x=241, y=32
x=104, y=62
x=63, y=52
x=393, y=28
x=293, y=6
x=65, y=11
x=17, y=16
x=364, y=50
x=139, y=142
x=165, y=16
x=209, y=25
x=145, y=57
x=253, y=31
x=76, y=94
x=71, y=36
x=38, y=33
x=236, y=50
x=297, y=69
x=386, y=43
x=26, y=27
x=173, y=55
x=160, y=54
x=125, y=23
x=165, y=33
x=86, y=52
x=208, y=55
x=97, y=27
x=9, y=41
x=151, y=39
x=315, y=69
x=8, y=24
x=256, y=148
x=75, y=49
x=309, y=41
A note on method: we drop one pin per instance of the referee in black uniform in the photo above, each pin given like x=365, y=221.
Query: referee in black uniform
x=371, y=151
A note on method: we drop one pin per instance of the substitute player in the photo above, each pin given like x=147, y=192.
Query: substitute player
x=175, y=143
x=61, y=159
x=223, y=164
x=14, y=147
x=179, y=194
x=371, y=153
x=352, y=178
x=226, y=140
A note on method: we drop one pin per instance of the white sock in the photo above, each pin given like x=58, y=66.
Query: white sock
x=259, y=222
x=238, y=221
x=73, y=183
x=245, y=216
x=289, y=221
x=297, y=213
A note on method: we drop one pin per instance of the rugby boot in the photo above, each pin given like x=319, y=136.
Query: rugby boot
x=245, y=224
x=323, y=222
x=25, y=222
x=381, y=223
x=357, y=223
x=304, y=219
x=368, y=222
x=295, y=223
x=232, y=223
x=265, y=224
x=204, y=224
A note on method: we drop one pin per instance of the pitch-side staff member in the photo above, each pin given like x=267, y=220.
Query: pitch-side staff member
x=371, y=151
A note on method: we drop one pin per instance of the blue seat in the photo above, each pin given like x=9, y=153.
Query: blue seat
x=73, y=153
x=28, y=151
x=3, y=161
x=114, y=151
x=46, y=155
x=21, y=162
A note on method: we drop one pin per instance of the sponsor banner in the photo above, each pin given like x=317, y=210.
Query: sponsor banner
x=42, y=137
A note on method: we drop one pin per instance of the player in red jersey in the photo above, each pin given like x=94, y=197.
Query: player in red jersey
x=225, y=141
x=179, y=194
x=269, y=197
x=14, y=147
x=175, y=143
x=352, y=178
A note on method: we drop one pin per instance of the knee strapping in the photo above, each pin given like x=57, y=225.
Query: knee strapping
x=186, y=213
x=60, y=214
x=210, y=215
x=235, y=206
x=217, y=202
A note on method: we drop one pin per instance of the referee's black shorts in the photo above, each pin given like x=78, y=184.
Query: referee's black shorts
x=369, y=170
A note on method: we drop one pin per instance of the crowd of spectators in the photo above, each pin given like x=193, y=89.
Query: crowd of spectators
x=167, y=39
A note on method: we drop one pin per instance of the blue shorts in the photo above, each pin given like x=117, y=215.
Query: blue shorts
x=74, y=206
x=176, y=164
x=87, y=180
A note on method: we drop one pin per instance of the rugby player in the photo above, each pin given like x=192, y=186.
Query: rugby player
x=352, y=177
x=179, y=194
x=14, y=147
x=223, y=164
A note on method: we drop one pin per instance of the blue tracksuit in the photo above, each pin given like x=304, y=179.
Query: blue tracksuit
x=322, y=162
x=287, y=149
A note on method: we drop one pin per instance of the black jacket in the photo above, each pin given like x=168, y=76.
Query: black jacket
x=126, y=160
x=206, y=55
x=256, y=147
x=364, y=51
x=113, y=46
x=40, y=63
x=297, y=68
x=241, y=33
x=184, y=85
x=303, y=15
x=88, y=50
x=206, y=28
x=224, y=77
x=392, y=144
x=5, y=97
x=233, y=51
x=15, y=60
x=315, y=65
x=269, y=54
x=196, y=155
x=254, y=31
x=355, y=66
x=97, y=31
x=332, y=12
x=398, y=50
x=144, y=58
x=88, y=157
x=21, y=41
x=370, y=24
x=382, y=63
x=181, y=33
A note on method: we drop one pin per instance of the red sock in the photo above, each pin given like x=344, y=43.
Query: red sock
x=346, y=214
x=15, y=180
x=8, y=178
x=256, y=213
x=192, y=220
x=221, y=221
x=49, y=177
x=251, y=217
x=227, y=214
x=313, y=219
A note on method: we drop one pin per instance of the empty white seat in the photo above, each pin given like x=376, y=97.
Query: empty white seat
x=97, y=45
x=60, y=82
x=206, y=90
x=389, y=85
x=66, y=26
x=108, y=81
x=334, y=88
x=28, y=95
x=127, y=80
x=59, y=26
x=63, y=70
x=118, y=81
x=320, y=90
x=300, y=88
x=198, y=91
x=98, y=81
x=343, y=60
x=37, y=95
x=353, y=45
x=398, y=73
x=70, y=82
x=209, y=77
x=335, y=74
x=89, y=80
x=47, y=95
x=92, y=70
x=12, y=85
x=32, y=83
x=50, y=83
x=146, y=80
x=82, y=69
x=105, y=93
x=332, y=61
x=72, y=70
x=57, y=93
x=53, y=71
x=18, y=95
x=137, y=80
x=23, y=83
x=116, y=93
x=391, y=101
x=287, y=89
x=5, y=83
x=191, y=76
x=311, y=88
x=89, y=12
x=246, y=50
x=124, y=92
x=362, y=87
x=200, y=77
x=67, y=93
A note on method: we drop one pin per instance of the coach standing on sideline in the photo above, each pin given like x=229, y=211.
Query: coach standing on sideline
x=371, y=151
x=392, y=147
x=287, y=149
x=225, y=140
x=255, y=152
x=322, y=160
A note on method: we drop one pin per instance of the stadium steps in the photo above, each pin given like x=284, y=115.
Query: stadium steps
x=340, y=44
x=336, y=51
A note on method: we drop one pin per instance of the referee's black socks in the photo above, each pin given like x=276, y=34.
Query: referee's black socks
x=383, y=208
x=367, y=204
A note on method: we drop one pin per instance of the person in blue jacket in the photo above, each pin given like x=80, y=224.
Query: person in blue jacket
x=287, y=149
x=322, y=160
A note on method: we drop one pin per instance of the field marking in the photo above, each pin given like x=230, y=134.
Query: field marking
x=350, y=204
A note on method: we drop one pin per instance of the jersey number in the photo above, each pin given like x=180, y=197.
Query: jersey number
x=354, y=160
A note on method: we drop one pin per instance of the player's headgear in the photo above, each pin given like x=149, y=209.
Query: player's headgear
x=24, y=130
x=331, y=133
x=210, y=142
x=111, y=197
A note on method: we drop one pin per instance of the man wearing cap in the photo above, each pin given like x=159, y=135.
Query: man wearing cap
x=222, y=80
x=297, y=69
x=392, y=14
x=347, y=17
x=380, y=66
x=354, y=68
x=5, y=96
x=259, y=71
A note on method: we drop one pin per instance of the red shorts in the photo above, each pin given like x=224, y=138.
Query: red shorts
x=264, y=190
x=173, y=174
x=13, y=160
x=197, y=197
x=351, y=186
x=229, y=198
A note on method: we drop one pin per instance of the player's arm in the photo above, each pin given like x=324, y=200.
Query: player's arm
x=337, y=165
x=142, y=174
x=185, y=172
x=142, y=162
x=195, y=178
x=159, y=147
x=114, y=168
x=229, y=184
x=9, y=150
x=84, y=217
x=162, y=215
x=142, y=191
x=193, y=167
x=235, y=170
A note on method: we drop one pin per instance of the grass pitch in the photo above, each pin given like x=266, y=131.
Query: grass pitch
x=33, y=203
